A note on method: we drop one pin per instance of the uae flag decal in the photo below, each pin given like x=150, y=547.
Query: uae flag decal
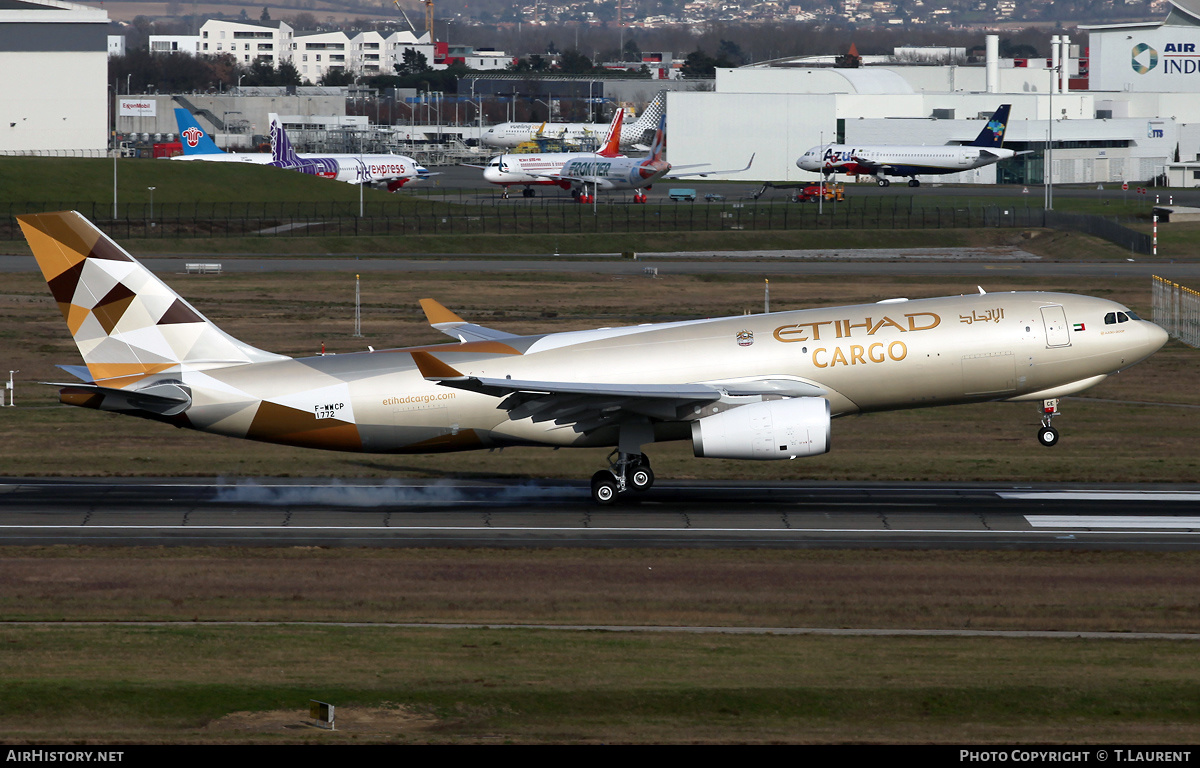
x=1079, y=327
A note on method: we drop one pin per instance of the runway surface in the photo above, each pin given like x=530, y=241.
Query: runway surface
x=274, y=512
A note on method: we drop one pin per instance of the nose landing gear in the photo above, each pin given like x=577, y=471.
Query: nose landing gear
x=1048, y=435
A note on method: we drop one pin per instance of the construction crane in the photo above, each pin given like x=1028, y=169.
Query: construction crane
x=428, y=17
x=405, y=15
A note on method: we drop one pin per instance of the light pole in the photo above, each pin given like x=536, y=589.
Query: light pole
x=12, y=392
x=151, y=204
x=1049, y=170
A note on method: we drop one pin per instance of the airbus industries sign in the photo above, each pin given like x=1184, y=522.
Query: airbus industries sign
x=1177, y=58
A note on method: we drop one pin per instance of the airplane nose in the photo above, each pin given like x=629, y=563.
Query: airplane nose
x=1157, y=338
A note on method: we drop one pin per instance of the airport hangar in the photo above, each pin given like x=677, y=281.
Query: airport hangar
x=1133, y=123
x=59, y=104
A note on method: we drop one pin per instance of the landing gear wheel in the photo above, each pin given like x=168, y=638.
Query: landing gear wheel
x=1048, y=436
x=527, y=192
x=641, y=478
x=884, y=183
x=914, y=183
x=604, y=488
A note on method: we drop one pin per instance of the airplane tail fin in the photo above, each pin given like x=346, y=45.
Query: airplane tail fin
x=612, y=142
x=659, y=147
x=126, y=322
x=281, y=146
x=992, y=134
x=194, y=139
x=648, y=120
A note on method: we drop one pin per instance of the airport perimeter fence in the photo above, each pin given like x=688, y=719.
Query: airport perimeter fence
x=1176, y=310
x=518, y=217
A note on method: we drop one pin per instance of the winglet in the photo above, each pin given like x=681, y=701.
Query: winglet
x=433, y=369
x=436, y=313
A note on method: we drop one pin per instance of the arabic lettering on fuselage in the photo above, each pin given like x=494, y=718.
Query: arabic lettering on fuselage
x=991, y=316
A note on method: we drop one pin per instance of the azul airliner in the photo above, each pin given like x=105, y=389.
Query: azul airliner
x=883, y=160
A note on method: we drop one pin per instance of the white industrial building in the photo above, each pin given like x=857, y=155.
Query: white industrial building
x=313, y=54
x=1122, y=129
x=64, y=109
x=248, y=41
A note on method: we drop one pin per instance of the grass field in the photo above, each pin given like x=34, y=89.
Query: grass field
x=206, y=682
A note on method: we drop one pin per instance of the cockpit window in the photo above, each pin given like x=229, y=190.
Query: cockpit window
x=1122, y=317
x=1110, y=318
x=1133, y=316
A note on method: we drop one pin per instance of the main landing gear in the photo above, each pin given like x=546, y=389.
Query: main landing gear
x=1048, y=435
x=914, y=183
x=630, y=473
x=528, y=192
x=883, y=182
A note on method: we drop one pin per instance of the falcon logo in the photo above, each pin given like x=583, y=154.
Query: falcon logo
x=1144, y=58
x=192, y=136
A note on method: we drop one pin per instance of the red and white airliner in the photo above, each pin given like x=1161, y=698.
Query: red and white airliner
x=585, y=173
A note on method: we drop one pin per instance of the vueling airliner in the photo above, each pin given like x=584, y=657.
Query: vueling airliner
x=758, y=387
x=633, y=132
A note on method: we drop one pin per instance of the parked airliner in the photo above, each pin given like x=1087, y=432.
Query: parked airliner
x=198, y=145
x=391, y=171
x=883, y=160
x=394, y=171
x=586, y=173
x=757, y=387
x=633, y=132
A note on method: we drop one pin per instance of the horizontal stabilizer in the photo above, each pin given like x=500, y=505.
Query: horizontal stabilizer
x=80, y=372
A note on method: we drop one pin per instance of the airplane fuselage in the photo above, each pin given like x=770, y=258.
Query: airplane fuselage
x=509, y=135
x=572, y=169
x=898, y=160
x=356, y=169
x=868, y=357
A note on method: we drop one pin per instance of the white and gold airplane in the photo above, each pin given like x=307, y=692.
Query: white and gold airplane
x=746, y=387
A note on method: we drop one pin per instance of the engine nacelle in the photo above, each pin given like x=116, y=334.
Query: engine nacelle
x=772, y=429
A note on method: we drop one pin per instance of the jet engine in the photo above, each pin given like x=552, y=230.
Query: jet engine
x=772, y=429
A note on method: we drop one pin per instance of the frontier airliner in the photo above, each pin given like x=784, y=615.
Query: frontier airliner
x=586, y=173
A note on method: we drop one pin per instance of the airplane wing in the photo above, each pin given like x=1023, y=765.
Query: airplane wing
x=587, y=406
x=673, y=175
x=452, y=325
x=582, y=406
